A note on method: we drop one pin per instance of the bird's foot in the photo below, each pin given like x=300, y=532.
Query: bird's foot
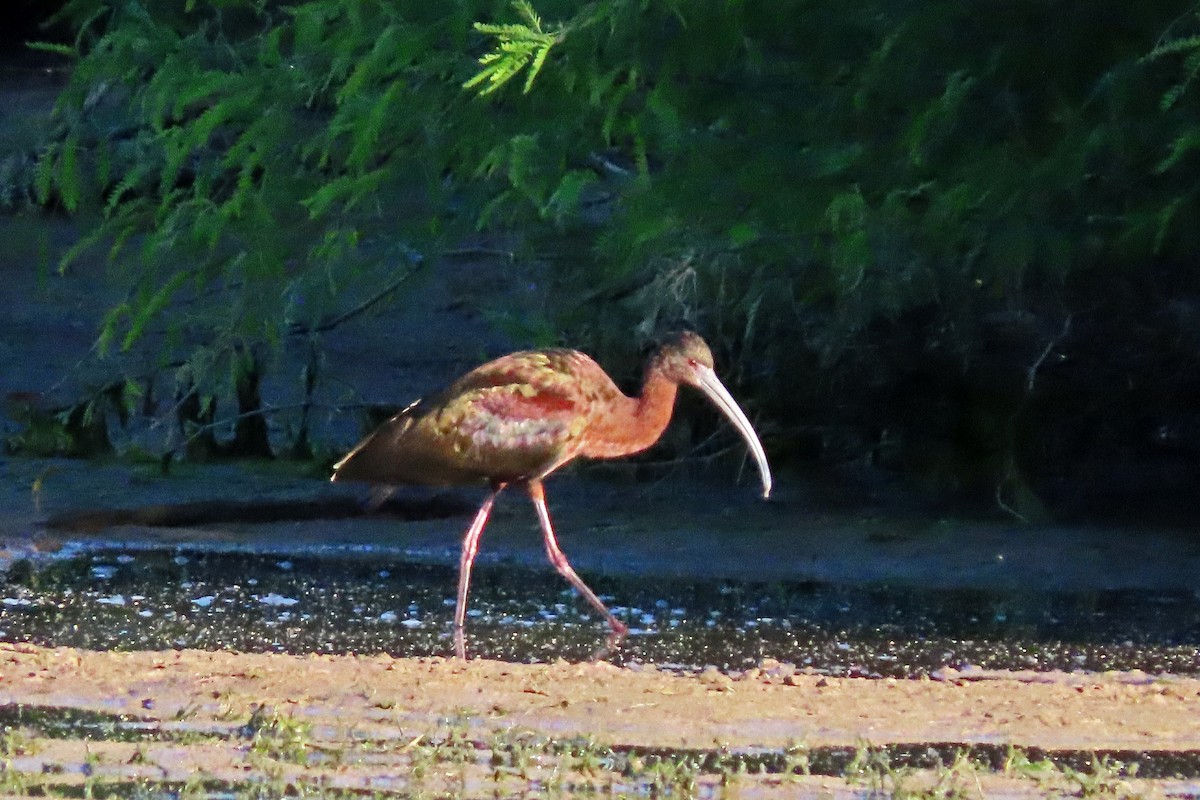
x=616, y=634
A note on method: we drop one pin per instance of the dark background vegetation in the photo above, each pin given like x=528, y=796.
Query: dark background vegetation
x=955, y=242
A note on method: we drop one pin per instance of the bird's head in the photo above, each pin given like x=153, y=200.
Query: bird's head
x=685, y=358
x=681, y=354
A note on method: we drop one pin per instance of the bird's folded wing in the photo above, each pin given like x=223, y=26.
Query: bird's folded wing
x=497, y=433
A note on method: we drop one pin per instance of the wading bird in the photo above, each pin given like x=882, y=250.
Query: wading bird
x=518, y=418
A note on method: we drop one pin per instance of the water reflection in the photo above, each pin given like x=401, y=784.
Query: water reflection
x=175, y=599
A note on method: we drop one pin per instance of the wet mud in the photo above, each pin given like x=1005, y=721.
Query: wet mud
x=181, y=598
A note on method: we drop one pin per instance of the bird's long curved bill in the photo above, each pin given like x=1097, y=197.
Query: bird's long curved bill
x=708, y=383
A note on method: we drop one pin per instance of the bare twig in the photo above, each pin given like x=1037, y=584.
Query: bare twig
x=329, y=324
x=671, y=465
x=1000, y=498
x=1031, y=373
x=1011, y=474
x=471, y=252
x=264, y=410
x=225, y=421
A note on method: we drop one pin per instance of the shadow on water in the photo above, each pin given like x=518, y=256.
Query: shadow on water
x=159, y=599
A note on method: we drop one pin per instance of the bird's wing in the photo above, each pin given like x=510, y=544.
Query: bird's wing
x=514, y=418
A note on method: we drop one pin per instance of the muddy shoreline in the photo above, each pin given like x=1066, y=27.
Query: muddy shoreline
x=190, y=710
x=765, y=707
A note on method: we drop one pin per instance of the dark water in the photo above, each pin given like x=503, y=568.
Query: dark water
x=176, y=599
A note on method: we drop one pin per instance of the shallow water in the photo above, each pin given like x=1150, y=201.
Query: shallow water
x=162, y=599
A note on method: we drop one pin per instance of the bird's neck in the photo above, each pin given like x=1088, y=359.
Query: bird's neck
x=640, y=421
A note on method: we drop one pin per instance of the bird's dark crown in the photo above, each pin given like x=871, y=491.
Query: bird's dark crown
x=680, y=354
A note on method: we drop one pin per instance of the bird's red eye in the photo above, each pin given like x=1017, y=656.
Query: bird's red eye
x=693, y=362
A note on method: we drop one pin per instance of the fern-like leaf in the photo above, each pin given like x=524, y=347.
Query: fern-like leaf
x=1182, y=146
x=69, y=179
x=142, y=315
x=55, y=48
x=43, y=180
x=108, y=327
x=1191, y=66
x=1174, y=46
x=518, y=45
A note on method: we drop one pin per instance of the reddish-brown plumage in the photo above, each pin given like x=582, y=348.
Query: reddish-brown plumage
x=518, y=418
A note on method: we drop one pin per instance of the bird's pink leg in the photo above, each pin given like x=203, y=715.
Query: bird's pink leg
x=470, y=547
x=559, y=560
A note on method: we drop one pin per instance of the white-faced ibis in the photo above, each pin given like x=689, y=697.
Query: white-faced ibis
x=518, y=418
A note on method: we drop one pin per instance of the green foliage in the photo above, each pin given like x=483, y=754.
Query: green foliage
x=868, y=197
x=244, y=165
x=857, y=198
x=1185, y=49
x=79, y=430
x=274, y=736
x=517, y=45
x=1189, y=48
